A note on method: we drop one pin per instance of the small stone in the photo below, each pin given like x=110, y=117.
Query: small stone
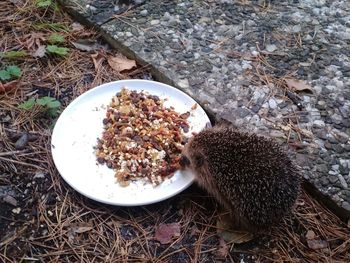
x=296, y=29
x=332, y=139
x=319, y=123
x=322, y=168
x=255, y=53
x=345, y=112
x=335, y=167
x=22, y=142
x=256, y=108
x=346, y=205
x=39, y=175
x=321, y=105
x=282, y=105
x=271, y=48
x=183, y=83
x=333, y=178
x=344, y=170
x=16, y=210
x=272, y=104
x=154, y=22
x=342, y=181
x=324, y=181
x=144, y=12
x=337, y=148
x=346, y=123
x=328, y=146
x=128, y=34
x=242, y=112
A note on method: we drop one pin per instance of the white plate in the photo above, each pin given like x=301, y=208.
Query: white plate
x=76, y=132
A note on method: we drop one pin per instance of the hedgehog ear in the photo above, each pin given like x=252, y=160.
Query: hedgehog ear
x=198, y=160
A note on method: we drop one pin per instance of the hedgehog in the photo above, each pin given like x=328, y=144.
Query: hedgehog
x=250, y=175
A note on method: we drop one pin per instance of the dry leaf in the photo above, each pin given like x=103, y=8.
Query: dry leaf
x=97, y=59
x=8, y=86
x=76, y=26
x=223, y=248
x=81, y=228
x=225, y=231
x=310, y=235
x=10, y=200
x=120, y=63
x=317, y=244
x=298, y=85
x=40, y=52
x=86, y=45
x=165, y=232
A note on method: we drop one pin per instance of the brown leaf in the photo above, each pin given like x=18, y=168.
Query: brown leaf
x=225, y=231
x=81, y=228
x=10, y=200
x=298, y=85
x=76, y=26
x=97, y=59
x=349, y=223
x=86, y=45
x=317, y=244
x=223, y=248
x=120, y=63
x=165, y=232
x=40, y=52
x=9, y=86
x=310, y=235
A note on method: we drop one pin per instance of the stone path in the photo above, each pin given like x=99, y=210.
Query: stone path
x=233, y=57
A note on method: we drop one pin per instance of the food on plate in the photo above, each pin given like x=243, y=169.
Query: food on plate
x=141, y=139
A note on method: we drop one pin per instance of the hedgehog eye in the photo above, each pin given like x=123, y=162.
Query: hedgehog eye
x=184, y=161
x=198, y=160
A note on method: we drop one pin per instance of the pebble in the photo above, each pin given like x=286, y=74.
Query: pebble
x=271, y=48
x=319, y=123
x=16, y=210
x=154, y=22
x=144, y=12
x=242, y=112
x=272, y=104
x=346, y=205
x=333, y=179
x=342, y=181
x=39, y=175
x=22, y=142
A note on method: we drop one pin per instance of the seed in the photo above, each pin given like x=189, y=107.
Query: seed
x=100, y=160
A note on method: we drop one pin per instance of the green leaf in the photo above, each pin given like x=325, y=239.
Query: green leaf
x=14, y=71
x=43, y=3
x=4, y=75
x=53, y=49
x=13, y=54
x=27, y=105
x=43, y=101
x=54, y=104
x=53, y=112
x=56, y=38
x=49, y=102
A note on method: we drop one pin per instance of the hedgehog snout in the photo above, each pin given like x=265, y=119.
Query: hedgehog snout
x=184, y=161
